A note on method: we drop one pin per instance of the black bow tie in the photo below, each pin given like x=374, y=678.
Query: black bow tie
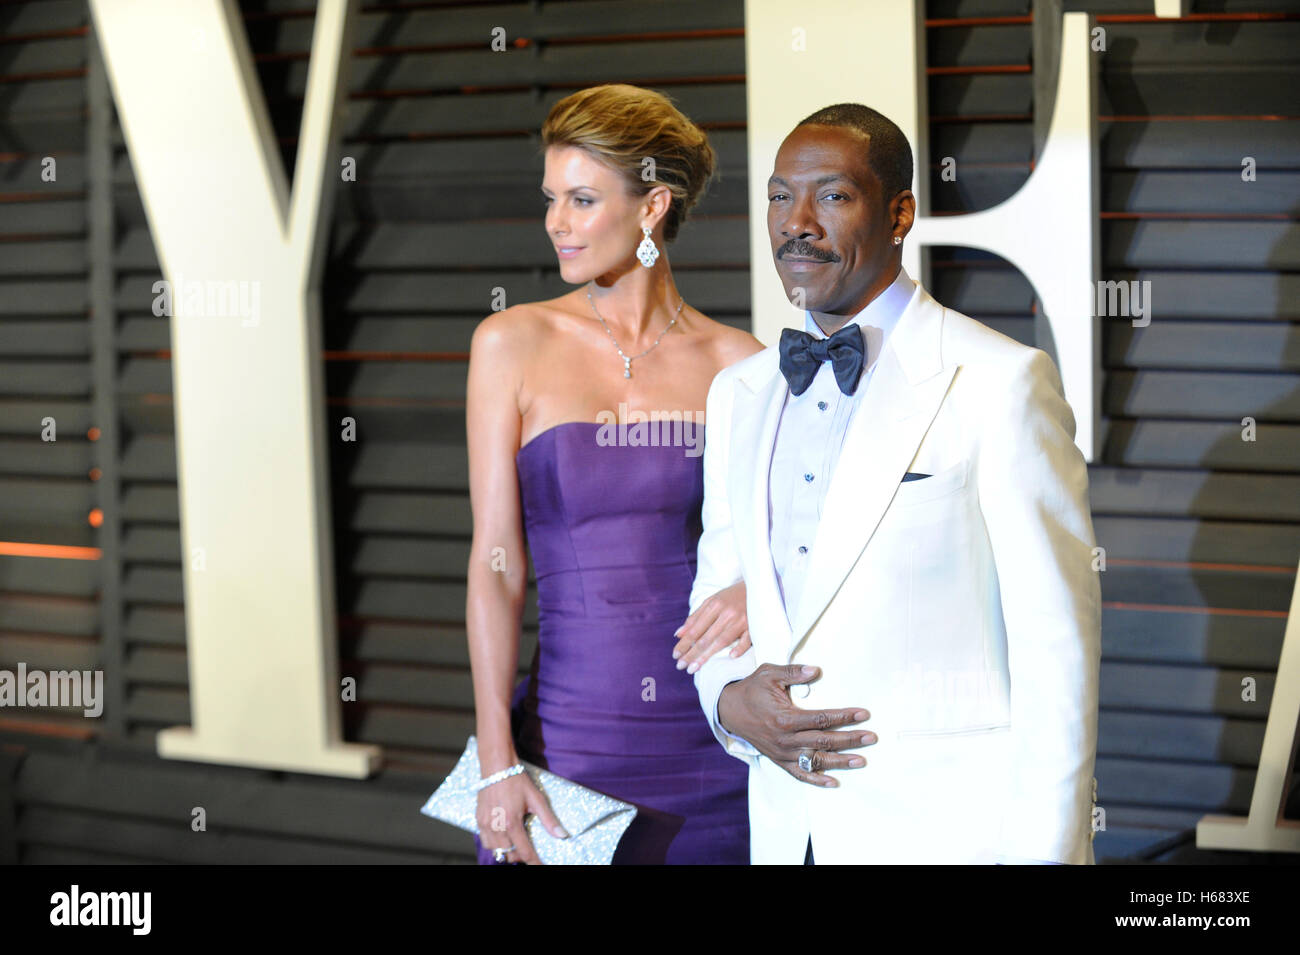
x=802, y=355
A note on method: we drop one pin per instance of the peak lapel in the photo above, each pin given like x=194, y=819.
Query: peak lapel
x=902, y=398
x=757, y=410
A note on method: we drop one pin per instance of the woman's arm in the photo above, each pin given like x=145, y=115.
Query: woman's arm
x=498, y=580
x=720, y=620
x=716, y=624
x=497, y=577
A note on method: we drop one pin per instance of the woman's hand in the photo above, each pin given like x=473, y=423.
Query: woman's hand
x=501, y=811
x=716, y=624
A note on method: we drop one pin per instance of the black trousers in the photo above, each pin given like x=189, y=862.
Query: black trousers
x=808, y=856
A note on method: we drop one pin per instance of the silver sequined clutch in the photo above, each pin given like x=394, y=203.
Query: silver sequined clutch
x=595, y=822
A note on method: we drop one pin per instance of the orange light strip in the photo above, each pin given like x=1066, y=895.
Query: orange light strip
x=56, y=551
x=1217, y=611
x=50, y=75
x=1198, y=118
x=1195, y=18
x=44, y=35
x=978, y=70
x=42, y=196
x=1188, y=216
x=46, y=729
x=1202, y=565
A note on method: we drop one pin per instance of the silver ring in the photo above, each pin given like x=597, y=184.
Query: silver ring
x=805, y=762
x=499, y=854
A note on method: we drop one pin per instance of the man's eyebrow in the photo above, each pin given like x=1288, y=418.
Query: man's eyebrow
x=821, y=181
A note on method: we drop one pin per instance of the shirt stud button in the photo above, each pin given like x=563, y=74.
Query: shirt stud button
x=807, y=477
x=821, y=406
x=803, y=550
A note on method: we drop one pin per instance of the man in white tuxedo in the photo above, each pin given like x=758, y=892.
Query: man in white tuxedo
x=899, y=488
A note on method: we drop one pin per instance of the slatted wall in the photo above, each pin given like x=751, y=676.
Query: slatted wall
x=446, y=207
x=49, y=570
x=1200, y=527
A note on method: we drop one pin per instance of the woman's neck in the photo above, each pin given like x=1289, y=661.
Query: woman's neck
x=638, y=303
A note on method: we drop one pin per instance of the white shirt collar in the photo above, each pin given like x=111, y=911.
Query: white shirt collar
x=882, y=313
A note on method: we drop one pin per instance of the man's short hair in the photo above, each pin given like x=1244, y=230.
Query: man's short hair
x=889, y=154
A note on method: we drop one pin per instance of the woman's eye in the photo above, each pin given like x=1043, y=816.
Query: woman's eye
x=581, y=200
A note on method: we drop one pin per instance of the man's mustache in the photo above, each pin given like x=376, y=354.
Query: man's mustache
x=800, y=249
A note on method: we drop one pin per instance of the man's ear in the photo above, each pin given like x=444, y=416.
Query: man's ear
x=902, y=211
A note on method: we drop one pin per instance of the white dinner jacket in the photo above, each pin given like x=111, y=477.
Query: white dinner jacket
x=962, y=610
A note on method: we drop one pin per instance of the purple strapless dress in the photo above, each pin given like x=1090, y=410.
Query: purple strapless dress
x=613, y=533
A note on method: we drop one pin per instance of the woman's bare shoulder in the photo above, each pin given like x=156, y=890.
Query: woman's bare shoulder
x=729, y=345
x=520, y=329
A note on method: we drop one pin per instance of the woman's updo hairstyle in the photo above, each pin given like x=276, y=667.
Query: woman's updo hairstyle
x=621, y=126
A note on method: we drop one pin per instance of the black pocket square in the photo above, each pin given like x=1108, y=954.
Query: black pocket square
x=913, y=476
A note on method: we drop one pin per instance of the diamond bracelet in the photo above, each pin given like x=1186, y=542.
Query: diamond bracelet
x=496, y=777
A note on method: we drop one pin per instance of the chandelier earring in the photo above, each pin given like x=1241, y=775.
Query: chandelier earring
x=647, y=251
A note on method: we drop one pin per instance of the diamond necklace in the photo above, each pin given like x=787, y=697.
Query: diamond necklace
x=627, y=362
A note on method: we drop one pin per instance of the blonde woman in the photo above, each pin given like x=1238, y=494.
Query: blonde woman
x=612, y=520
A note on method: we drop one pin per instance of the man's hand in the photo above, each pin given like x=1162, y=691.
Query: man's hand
x=758, y=709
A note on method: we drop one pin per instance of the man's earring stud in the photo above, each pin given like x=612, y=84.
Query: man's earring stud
x=898, y=240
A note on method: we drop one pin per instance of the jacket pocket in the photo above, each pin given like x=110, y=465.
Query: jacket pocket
x=938, y=485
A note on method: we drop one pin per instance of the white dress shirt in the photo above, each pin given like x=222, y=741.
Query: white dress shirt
x=809, y=436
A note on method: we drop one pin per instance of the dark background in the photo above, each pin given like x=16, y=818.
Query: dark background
x=1200, y=528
